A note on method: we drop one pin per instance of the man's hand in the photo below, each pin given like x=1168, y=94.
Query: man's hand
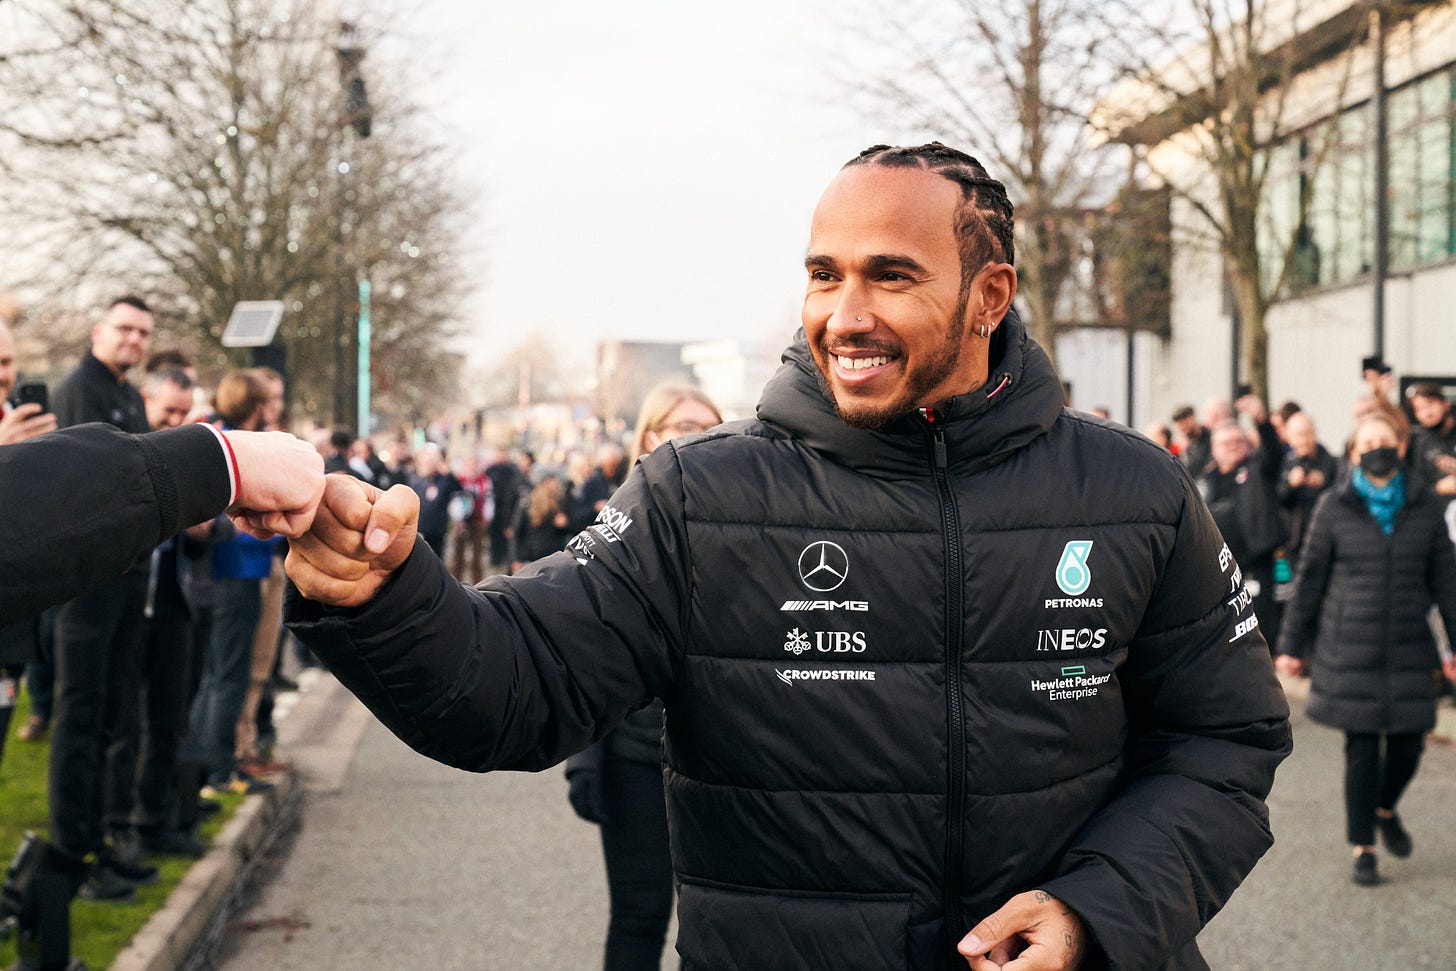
x=25, y=421
x=280, y=480
x=1296, y=477
x=1380, y=385
x=1032, y=932
x=359, y=536
x=1288, y=665
x=1252, y=407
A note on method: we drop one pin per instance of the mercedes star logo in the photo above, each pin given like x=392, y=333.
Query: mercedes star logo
x=823, y=566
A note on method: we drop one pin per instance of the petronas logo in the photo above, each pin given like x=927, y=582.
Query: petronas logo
x=1074, y=576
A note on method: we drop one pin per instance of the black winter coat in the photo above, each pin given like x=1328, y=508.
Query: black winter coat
x=1359, y=610
x=908, y=673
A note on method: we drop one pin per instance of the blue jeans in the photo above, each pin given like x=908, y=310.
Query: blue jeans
x=226, y=660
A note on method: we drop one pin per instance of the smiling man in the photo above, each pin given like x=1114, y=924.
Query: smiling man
x=953, y=676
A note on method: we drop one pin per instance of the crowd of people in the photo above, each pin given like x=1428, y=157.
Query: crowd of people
x=1348, y=559
x=156, y=689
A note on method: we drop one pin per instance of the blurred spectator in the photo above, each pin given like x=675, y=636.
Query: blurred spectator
x=19, y=642
x=239, y=562
x=368, y=466
x=605, y=478
x=1101, y=411
x=336, y=459
x=507, y=485
x=167, y=396
x=436, y=486
x=1240, y=487
x=1308, y=470
x=17, y=422
x=1433, y=442
x=617, y=782
x=97, y=637
x=1281, y=416
x=1162, y=435
x=467, y=560
x=1196, y=450
x=171, y=360
x=542, y=526
x=150, y=757
x=255, y=726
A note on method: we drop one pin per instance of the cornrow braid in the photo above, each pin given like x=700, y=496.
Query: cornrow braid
x=985, y=223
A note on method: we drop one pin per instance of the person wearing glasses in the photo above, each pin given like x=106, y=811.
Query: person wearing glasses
x=98, y=646
x=617, y=783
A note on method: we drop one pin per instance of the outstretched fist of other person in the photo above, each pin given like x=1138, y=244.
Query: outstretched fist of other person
x=359, y=536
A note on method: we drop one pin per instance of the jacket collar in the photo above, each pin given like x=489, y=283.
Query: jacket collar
x=97, y=371
x=1019, y=402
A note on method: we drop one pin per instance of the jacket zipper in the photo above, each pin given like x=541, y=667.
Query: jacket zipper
x=950, y=521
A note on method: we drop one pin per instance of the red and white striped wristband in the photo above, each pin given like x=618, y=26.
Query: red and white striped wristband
x=235, y=480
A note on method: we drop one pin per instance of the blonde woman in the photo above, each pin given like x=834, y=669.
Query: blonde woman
x=617, y=783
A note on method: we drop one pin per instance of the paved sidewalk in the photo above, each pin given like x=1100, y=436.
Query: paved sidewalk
x=323, y=719
x=319, y=737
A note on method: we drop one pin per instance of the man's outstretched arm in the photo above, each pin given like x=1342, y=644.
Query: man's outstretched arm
x=517, y=672
x=83, y=505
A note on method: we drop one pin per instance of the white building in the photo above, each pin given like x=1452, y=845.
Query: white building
x=1325, y=324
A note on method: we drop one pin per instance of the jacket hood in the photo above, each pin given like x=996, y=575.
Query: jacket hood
x=1019, y=402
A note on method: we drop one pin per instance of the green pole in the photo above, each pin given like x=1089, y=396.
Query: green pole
x=364, y=408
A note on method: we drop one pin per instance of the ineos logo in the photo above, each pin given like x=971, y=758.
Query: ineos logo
x=823, y=566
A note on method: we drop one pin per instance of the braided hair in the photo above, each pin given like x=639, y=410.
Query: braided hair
x=984, y=223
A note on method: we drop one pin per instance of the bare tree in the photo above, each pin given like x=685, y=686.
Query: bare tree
x=203, y=154
x=1212, y=81
x=1016, y=82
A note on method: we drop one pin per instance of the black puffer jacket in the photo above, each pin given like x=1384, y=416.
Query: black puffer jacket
x=1359, y=609
x=908, y=674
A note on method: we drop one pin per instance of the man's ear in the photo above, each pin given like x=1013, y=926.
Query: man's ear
x=996, y=284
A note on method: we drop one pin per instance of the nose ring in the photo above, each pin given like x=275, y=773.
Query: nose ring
x=860, y=319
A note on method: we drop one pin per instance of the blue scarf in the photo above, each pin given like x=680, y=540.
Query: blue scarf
x=1383, y=502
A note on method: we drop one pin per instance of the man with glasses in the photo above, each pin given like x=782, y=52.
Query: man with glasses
x=98, y=633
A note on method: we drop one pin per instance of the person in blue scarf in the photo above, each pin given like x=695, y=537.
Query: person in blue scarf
x=1376, y=558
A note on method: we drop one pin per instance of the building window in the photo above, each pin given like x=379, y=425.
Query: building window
x=1336, y=243
x=1421, y=171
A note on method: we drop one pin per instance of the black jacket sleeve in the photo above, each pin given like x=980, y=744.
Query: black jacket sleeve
x=519, y=672
x=1208, y=724
x=82, y=505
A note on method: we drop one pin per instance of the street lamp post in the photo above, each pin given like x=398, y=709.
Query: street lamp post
x=358, y=115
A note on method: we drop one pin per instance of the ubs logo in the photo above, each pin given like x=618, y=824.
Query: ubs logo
x=823, y=566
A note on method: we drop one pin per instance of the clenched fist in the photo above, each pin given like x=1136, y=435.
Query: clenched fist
x=359, y=536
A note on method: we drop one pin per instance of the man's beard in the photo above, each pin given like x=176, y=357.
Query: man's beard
x=927, y=376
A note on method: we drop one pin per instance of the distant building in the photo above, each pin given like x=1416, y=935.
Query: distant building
x=1324, y=321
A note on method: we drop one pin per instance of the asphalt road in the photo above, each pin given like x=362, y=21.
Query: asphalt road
x=403, y=863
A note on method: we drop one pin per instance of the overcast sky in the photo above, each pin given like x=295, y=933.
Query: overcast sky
x=648, y=167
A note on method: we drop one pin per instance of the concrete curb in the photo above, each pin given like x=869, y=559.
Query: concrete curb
x=168, y=939
x=323, y=717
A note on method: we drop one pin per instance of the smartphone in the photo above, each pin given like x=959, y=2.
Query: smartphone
x=33, y=391
x=1374, y=363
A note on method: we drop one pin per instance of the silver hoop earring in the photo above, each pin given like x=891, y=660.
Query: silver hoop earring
x=985, y=330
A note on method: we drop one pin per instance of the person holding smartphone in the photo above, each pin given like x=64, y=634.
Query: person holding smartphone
x=25, y=418
x=18, y=641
